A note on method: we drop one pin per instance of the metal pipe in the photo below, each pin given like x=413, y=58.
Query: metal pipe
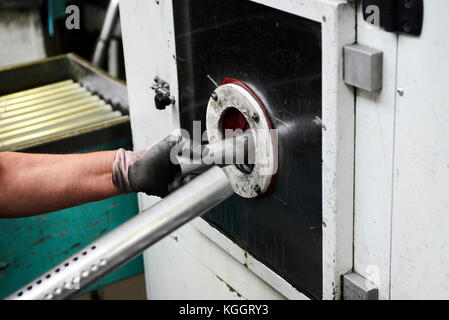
x=106, y=32
x=194, y=160
x=129, y=239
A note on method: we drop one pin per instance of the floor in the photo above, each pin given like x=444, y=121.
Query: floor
x=132, y=288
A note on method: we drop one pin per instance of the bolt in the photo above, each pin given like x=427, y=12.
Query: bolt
x=214, y=96
x=406, y=26
x=401, y=92
x=255, y=117
x=257, y=189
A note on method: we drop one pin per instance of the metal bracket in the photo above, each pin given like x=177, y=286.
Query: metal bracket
x=395, y=15
x=363, y=67
x=356, y=287
x=163, y=98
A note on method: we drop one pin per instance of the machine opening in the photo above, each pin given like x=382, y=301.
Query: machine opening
x=234, y=120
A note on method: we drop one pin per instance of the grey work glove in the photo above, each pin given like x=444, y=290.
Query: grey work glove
x=150, y=171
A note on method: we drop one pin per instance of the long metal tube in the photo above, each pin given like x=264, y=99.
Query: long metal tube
x=235, y=150
x=129, y=239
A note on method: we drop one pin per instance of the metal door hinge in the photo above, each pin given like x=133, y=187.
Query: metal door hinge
x=395, y=15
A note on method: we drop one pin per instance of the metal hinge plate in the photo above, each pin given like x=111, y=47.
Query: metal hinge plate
x=395, y=15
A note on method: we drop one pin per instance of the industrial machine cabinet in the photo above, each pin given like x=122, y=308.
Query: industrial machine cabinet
x=359, y=207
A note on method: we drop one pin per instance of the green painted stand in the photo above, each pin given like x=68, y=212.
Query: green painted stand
x=31, y=246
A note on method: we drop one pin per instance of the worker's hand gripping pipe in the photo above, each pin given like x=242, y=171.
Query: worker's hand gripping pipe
x=129, y=239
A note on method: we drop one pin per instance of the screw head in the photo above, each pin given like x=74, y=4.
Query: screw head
x=255, y=117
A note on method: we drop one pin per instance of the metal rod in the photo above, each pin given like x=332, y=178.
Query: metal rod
x=91, y=112
x=37, y=89
x=46, y=94
x=51, y=116
x=108, y=27
x=71, y=93
x=129, y=239
x=11, y=144
x=87, y=102
x=194, y=160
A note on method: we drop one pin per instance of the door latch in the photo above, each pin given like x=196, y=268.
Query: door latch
x=395, y=15
x=162, y=97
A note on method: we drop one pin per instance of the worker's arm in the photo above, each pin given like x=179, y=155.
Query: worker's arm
x=32, y=184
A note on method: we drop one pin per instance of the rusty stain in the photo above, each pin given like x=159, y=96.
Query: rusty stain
x=75, y=245
x=229, y=287
x=102, y=231
x=93, y=224
x=114, y=205
x=41, y=240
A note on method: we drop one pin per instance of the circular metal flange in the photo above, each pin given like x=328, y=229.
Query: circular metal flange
x=231, y=95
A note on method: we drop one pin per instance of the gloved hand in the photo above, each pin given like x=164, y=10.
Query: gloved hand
x=150, y=171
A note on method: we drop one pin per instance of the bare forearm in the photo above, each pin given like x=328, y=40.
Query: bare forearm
x=32, y=184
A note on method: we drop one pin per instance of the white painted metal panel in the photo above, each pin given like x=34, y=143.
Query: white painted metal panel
x=420, y=226
x=374, y=164
x=192, y=266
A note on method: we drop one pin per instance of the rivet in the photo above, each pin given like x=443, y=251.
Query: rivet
x=85, y=274
x=94, y=268
x=58, y=291
x=257, y=189
x=103, y=262
x=214, y=96
x=401, y=92
x=76, y=280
